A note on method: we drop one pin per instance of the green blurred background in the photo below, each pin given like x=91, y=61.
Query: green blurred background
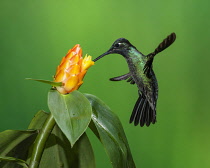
x=35, y=35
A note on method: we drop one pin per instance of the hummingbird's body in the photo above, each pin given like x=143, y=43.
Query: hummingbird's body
x=141, y=74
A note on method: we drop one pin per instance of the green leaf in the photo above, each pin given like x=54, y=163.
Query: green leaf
x=47, y=82
x=111, y=134
x=36, y=124
x=58, y=152
x=14, y=160
x=40, y=142
x=15, y=144
x=72, y=113
x=38, y=120
x=84, y=153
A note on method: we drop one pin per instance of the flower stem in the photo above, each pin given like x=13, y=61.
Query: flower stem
x=40, y=141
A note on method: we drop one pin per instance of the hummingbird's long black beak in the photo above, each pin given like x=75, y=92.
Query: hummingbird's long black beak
x=99, y=57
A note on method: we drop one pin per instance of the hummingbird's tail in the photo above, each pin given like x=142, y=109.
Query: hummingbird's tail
x=143, y=113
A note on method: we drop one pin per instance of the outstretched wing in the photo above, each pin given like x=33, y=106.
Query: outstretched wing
x=119, y=78
x=123, y=77
x=162, y=46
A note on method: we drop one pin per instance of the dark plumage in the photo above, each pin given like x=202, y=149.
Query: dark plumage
x=141, y=74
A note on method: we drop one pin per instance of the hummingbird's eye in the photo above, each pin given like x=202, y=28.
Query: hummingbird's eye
x=119, y=45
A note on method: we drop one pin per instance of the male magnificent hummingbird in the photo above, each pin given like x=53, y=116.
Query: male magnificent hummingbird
x=141, y=74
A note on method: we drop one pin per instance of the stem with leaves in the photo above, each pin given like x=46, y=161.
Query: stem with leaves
x=40, y=142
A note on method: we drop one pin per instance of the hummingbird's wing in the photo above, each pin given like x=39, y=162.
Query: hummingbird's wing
x=162, y=46
x=123, y=77
x=119, y=78
x=131, y=80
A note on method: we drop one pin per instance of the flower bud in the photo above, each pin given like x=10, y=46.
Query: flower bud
x=72, y=70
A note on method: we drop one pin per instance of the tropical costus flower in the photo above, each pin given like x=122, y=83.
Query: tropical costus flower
x=72, y=70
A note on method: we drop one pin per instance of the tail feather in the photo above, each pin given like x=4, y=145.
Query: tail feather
x=142, y=113
x=137, y=106
x=148, y=117
x=138, y=115
x=154, y=118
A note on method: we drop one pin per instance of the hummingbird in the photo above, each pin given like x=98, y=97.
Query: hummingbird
x=140, y=73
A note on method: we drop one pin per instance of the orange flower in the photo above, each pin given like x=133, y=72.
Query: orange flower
x=72, y=70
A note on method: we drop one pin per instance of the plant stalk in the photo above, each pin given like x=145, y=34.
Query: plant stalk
x=40, y=141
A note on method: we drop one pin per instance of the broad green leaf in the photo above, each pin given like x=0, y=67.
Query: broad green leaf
x=15, y=144
x=111, y=134
x=38, y=120
x=47, y=82
x=36, y=124
x=72, y=113
x=84, y=153
x=14, y=160
x=58, y=152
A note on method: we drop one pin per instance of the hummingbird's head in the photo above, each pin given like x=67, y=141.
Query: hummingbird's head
x=120, y=46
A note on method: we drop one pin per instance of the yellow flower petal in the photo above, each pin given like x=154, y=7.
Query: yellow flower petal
x=74, y=70
x=75, y=59
x=87, y=62
x=60, y=76
x=82, y=74
x=71, y=83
